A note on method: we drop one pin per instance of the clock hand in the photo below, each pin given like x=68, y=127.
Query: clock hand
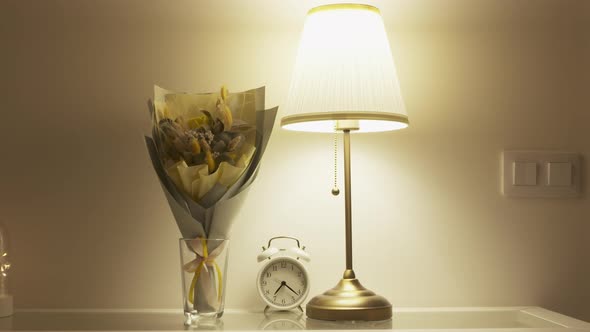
x=291, y=289
x=281, y=286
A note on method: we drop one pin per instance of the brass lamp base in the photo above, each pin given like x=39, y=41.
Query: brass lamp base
x=349, y=300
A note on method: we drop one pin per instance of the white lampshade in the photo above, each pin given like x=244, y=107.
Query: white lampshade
x=344, y=71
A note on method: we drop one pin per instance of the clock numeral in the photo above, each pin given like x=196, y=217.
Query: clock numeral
x=293, y=297
x=274, y=267
x=299, y=291
x=283, y=301
x=274, y=298
x=263, y=282
x=268, y=274
x=283, y=265
x=292, y=267
x=267, y=291
x=299, y=274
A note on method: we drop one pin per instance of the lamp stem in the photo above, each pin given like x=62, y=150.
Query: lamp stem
x=348, y=274
x=348, y=300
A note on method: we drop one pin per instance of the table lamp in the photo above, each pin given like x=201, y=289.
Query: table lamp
x=345, y=81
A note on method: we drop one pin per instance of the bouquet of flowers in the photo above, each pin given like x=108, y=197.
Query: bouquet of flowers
x=206, y=150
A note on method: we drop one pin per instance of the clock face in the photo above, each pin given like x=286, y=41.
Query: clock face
x=283, y=283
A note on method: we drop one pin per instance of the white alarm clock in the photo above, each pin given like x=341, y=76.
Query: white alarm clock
x=283, y=281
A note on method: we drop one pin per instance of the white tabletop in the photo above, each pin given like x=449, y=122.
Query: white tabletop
x=504, y=319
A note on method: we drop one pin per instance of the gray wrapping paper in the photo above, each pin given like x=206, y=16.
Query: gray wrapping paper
x=213, y=215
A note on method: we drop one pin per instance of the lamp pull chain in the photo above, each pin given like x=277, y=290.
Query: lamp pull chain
x=335, y=190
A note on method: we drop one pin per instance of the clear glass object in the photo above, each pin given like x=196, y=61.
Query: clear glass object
x=203, y=270
x=6, y=308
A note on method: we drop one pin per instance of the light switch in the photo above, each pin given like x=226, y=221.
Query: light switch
x=559, y=174
x=524, y=173
x=539, y=173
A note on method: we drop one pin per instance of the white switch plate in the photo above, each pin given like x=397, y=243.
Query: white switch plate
x=540, y=174
x=559, y=174
x=524, y=173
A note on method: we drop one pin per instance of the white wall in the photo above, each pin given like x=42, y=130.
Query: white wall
x=90, y=226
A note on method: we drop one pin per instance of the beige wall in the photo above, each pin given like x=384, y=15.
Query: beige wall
x=585, y=142
x=90, y=227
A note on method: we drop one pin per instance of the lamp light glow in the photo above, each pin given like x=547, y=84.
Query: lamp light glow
x=344, y=70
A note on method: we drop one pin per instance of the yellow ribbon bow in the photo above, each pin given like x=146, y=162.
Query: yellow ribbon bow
x=204, y=258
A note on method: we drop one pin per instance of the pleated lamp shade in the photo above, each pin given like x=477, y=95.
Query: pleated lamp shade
x=344, y=73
